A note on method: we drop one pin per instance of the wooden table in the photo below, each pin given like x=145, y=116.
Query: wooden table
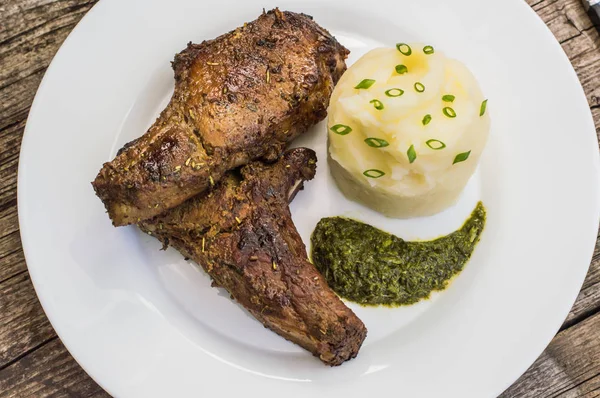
x=34, y=362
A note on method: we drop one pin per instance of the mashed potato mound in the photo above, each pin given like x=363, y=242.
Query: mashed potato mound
x=407, y=126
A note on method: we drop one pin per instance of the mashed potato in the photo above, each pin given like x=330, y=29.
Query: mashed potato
x=407, y=126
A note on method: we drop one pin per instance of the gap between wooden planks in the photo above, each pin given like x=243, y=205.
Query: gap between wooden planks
x=33, y=362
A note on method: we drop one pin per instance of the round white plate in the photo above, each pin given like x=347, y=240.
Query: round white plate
x=146, y=323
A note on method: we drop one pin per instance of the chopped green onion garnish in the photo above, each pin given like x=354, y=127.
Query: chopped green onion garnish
x=419, y=87
x=436, y=145
x=426, y=120
x=404, y=48
x=377, y=104
x=376, y=142
x=412, y=155
x=448, y=98
x=461, y=157
x=401, y=69
x=366, y=83
x=428, y=50
x=394, y=92
x=449, y=112
x=373, y=173
x=341, y=129
x=483, y=108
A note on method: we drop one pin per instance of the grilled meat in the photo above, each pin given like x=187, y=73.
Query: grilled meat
x=242, y=234
x=239, y=97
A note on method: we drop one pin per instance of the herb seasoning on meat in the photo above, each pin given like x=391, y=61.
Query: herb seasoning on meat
x=366, y=265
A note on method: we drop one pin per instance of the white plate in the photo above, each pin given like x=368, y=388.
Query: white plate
x=145, y=323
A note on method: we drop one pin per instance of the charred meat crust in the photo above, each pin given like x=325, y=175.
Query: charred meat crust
x=242, y=234
x=237, y=98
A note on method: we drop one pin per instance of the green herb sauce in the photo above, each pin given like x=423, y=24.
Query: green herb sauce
x=366, y=265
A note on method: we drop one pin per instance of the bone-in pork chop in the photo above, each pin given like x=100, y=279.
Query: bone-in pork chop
x=239, y=97
x=243, y=236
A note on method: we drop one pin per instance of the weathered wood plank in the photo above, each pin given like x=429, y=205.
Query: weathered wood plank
x=580, y=41
x=533, y=3
x=23, y=325
x=16, y=99
x=566, y=19
x=584, y=51
x=49, y=371
x=572, y=27
x=9, y=222
x=12, y=259
x=22, y=55
x=10, y=142
x=587, y=389
x=22, y=18
x=588, y=300
x=30, y=34
x=10, y=145
x=570, y=366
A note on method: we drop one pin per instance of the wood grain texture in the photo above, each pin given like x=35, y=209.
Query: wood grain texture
x=10, y=145
x=33, y=361
x=569, y=367
x=49, y=371
x=30, y=34
x=11, y=256
x=588, y=300
x=24, y=325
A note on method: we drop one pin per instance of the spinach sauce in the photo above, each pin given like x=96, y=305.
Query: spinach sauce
x=366, y=265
